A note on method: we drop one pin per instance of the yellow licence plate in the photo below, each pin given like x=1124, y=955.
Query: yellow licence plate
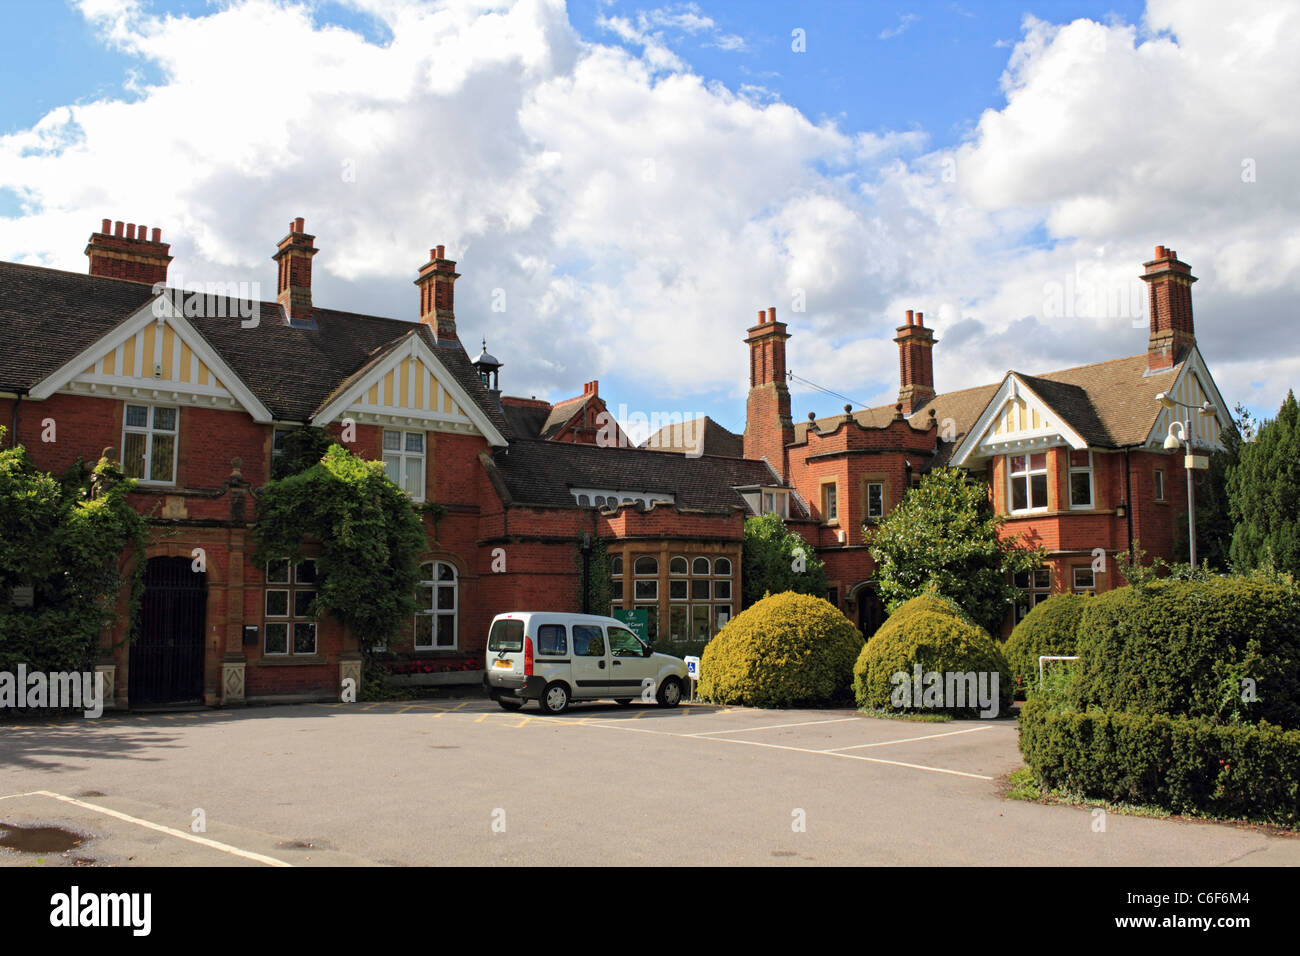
x=508, y=665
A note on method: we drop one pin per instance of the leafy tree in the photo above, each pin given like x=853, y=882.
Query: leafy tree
x=371, y=541
x=945, y=531
x=774, y=560
x=75, y=540
x=1264, y=495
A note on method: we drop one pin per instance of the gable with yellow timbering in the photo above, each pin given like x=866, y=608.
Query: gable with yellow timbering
x=155, y=354
x=408, y=385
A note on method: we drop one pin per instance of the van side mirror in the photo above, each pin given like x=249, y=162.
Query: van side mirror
x=647, y=650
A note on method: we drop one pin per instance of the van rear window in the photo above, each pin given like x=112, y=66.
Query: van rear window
x=506, y=636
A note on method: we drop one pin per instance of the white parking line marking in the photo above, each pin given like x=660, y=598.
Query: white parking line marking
x=831, y=753
x=905, y=740
x=617, y=725
x=743, y=730
x=181, y=834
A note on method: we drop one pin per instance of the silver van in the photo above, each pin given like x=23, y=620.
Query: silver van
x=554, y=658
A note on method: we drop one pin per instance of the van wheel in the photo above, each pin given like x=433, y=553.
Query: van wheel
x=555, y=699
x=670, y=692
x=510, y=703
x=622, y=701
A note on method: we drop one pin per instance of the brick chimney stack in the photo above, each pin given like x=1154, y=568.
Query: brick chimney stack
x=768, y=426
x=125, y=251
x=293, y=281
x=1169, y=301
x=437, y=294
x=915, y=362
x=591, y=388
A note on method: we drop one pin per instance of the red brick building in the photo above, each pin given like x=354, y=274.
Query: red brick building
x=194, y=391
x=1073, y=458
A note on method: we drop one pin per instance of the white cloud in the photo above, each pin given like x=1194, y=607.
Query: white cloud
x=636, y=215
x=905, y=20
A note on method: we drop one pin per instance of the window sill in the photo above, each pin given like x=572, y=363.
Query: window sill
x=291, y=660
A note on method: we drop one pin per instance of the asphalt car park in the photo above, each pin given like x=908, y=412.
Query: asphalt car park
x=464, y=782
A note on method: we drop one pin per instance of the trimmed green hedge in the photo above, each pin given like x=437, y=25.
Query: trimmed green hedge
x=1186, y=765
x=1050, y=628
x=787, y=650
x=928, y=632
x=1182, y=649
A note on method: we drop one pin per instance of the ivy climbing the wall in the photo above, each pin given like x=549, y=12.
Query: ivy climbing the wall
x=370, y=538
x=68, y=546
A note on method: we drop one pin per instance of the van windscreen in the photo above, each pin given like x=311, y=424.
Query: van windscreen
x=506, y=636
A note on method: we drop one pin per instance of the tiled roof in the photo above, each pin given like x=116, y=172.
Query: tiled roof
x=559, y=416
x=542, y=473
x=1110, y=404
x=525, y=420
x=47, y=317
x=697, y=434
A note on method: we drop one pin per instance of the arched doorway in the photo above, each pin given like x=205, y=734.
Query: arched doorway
x=871, y=610
x=167, y=653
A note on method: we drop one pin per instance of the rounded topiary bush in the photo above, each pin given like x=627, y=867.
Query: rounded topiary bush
x=939, y=641
x=1050, y=628
x=1184, y=648
x=787, y=650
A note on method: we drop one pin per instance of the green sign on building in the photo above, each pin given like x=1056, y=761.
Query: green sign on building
x=637, y=621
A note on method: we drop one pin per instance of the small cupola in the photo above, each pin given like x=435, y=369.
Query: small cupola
x=488, y=367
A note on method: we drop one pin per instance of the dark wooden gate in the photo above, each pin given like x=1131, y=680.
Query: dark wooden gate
x=167, y=654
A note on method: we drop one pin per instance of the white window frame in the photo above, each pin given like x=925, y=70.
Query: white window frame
x=1072, y=470
x=1074, y=580
x=149, y=430
x=773, y=501
x=867, y=503
x=402, y=456
x=830, y=501
x=436, y=585
x=1158, y=484
x=291, y=586
x=1028, y=476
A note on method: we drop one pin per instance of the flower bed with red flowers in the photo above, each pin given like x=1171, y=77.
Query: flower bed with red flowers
x=437, y=665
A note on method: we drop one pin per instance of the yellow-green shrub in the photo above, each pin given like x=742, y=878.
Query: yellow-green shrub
x=787, y=650
x=932, y=635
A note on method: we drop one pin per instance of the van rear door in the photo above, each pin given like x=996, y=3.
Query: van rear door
x=504, y=661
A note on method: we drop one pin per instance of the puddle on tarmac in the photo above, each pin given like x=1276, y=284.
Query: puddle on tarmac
x=38, y=839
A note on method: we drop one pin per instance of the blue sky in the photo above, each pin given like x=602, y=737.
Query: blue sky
x=1064, y=175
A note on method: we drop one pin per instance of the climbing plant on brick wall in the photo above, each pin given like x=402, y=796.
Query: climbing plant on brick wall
x=68, y=545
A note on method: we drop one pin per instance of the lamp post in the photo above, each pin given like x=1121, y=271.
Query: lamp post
x=1184, y=438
